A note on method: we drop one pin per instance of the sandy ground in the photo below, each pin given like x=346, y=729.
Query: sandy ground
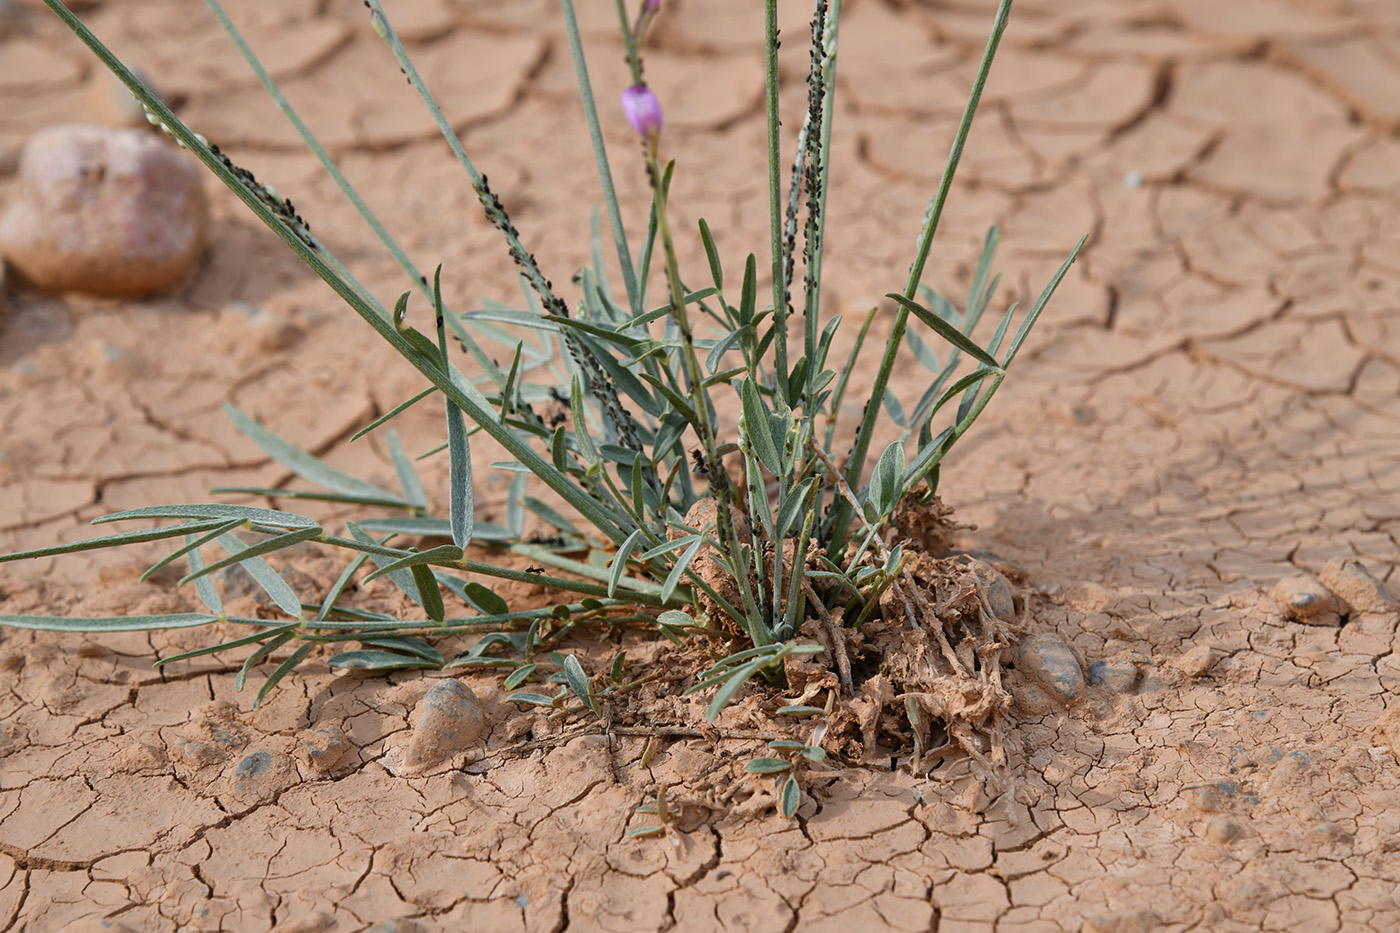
x=1210, y=406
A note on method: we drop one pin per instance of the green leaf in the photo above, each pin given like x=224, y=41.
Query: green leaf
x=581, y=435
x=427, y=527
x=558, y=449
x=276, y=588
x=894, y=409
x=814, y=753
x=790, y=507
x=209, y=512
x=191, y=543
x=618, y=566
x=393, y=413
x=208, y=592
x=369, y=659
x=446, y=552
x=534, y=699
x=459, y=457
x=1034, y=314
x=767, y=766
x=409, y=479
x=791, y=797
x=579, y=682
x=923, y=353
x=675, y=618
x=484, y=599
x=550, y=515
x=109, y=624
x=252, y=639
x=304, y=464
x=884, y=489
x=712, y=254
x=945, y=330
x=430, y=591
x=756, y=426
x=518, y=676
x=126, y=537
x=674, y=577
x=407, y=645
x=266, y=546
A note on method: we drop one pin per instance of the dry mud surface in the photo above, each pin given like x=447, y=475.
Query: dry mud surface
x=1208, y=408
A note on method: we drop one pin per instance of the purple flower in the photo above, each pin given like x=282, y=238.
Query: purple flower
x=642, y=109
x=651, y=6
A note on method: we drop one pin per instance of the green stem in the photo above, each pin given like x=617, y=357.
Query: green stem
x=932, y=215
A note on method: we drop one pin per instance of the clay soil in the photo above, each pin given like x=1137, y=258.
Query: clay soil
x=1211, y=405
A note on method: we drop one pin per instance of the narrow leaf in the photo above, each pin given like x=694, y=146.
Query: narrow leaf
x=791, y=797
x=674, y=577
x=303, y=463
x=579, y=682
x=945, y=330
x=756, y=426
x=117, y=540
x=409, y=479
x=109, y=624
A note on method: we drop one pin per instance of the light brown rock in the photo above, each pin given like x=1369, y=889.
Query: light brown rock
x=103, y=211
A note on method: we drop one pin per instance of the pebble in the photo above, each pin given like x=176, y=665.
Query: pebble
x=1197, y=661
x=448, y=720
x=104, y=211
x=321, y=750
x=1118, y=674
x=1048, y=660
x=999, y=596
x=1305, y=600
x=1353, y=583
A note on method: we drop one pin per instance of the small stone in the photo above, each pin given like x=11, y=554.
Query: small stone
x=104, y=211
x=262, y=775
x=448, y=720
x=1117, y=674
x=1000, y=598
x=321, y=750
x=1048, y=660
x=1353, y=583
x=1197, y=661
x=1305, y=600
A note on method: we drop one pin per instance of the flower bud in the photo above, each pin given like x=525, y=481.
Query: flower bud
x=642, y=109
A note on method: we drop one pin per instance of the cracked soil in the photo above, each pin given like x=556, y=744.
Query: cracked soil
x=1211, y=405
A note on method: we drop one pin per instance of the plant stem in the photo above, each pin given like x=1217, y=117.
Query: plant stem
x=931, y=217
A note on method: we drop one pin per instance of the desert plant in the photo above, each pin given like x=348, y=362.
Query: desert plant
x=741, y=539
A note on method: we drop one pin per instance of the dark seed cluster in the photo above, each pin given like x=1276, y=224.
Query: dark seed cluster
x=599, y=384
x=279, y=205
